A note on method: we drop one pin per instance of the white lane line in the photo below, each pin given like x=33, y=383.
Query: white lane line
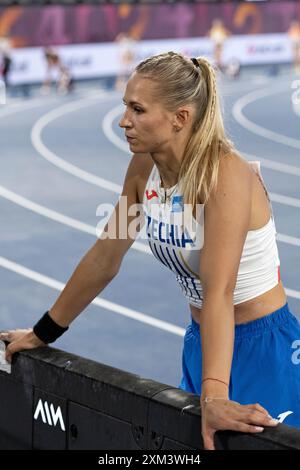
x=286, y=200
x=112, y=306
x=15, y=107
x=58, y=217
x=108, y=131
x=36, y=139
x=292, y=293
x=273, y=165
x=296, y=109
x=288, y=239
x=251, y=126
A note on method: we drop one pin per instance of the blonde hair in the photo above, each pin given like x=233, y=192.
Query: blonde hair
x=183, y=82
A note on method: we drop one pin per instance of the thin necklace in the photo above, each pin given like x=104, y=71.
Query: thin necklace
x=166, y=193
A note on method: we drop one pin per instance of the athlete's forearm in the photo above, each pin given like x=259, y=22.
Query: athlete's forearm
x=217, y=339
x=91, y=276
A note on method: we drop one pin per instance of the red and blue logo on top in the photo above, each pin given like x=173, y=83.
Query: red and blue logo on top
x=151, y=195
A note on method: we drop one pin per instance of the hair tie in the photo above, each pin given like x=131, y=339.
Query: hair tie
x=195, y=62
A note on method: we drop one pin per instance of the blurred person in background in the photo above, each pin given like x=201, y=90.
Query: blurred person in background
x=5, y=58
x=126, y=45
x=56, y=71
x=218, y=34
x=294, y=36
x=233, y=68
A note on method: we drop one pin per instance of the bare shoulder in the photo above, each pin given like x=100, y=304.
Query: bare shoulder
x=234, y=173
x=235, y=163
x=139, y=168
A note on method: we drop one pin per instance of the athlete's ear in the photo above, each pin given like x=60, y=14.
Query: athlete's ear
x=182, y=118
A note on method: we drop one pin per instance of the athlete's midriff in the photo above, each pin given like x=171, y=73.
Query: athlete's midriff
x=255, y=308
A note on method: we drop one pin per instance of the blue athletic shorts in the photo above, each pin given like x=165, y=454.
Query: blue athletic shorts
x=265, y=366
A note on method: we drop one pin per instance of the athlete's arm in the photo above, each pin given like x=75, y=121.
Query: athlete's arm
x=93, y=273
x=102, y=262
x=227, y=219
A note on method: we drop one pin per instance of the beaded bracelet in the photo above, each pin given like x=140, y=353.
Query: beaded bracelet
x=217, y=380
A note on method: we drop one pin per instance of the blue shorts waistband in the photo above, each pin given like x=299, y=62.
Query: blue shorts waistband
x=268, y=322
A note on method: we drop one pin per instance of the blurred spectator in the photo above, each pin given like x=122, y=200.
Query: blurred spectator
x=5, y=58
x=56, y=71
x=218, y=34
x=294, y=35
x=127, y=55
x=233, y=68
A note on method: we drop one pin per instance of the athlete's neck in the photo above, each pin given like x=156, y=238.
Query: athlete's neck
x=168, y=165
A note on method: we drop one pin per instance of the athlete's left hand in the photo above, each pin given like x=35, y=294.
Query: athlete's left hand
x=225, y=414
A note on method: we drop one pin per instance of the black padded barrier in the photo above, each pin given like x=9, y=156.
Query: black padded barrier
x=56, y=400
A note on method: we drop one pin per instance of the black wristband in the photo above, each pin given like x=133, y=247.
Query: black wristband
x=47, y=330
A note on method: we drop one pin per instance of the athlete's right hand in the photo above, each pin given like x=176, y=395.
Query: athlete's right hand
x=20, y=340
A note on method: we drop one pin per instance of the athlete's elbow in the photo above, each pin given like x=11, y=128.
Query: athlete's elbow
x=219, y=292
x=111, y=271
x=115, y=271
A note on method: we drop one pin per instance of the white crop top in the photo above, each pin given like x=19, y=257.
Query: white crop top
x=173, y=245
